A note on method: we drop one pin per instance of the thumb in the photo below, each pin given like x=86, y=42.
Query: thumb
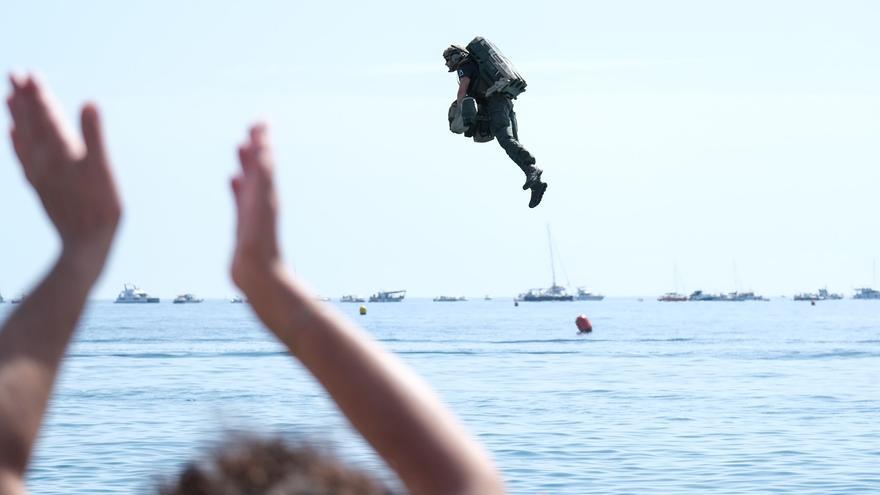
x=90, y=122
x=236, y=189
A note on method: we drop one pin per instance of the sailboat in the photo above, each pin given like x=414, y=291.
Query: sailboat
x=554, y=292
x=673, y=296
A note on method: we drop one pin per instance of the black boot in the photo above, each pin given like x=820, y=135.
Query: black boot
x=533, y=177
x=537, y=194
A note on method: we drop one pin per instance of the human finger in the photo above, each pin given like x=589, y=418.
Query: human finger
x=23, y=131
x=16, y=81
x=245, y=157
x=235, y=183
x=19, y=147
x=260, y=135
x=90, y=122
x=12, y=106
x=18, y=109
x=49, y=123
x=261, y=148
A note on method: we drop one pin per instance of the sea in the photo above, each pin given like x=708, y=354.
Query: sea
x=661, y=398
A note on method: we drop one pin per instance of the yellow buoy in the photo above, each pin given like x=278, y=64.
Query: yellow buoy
x=363, y=310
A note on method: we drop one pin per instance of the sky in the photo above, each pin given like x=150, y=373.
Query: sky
x=688, y=145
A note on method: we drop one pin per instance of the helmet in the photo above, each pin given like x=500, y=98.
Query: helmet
x=454, y=56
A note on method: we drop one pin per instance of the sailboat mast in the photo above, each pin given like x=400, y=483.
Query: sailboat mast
x=552, y=264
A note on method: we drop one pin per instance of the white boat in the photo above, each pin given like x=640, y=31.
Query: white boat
x=699, y=295
x=822, y=295
x=583, y=295
x=351, y=298
x=745, y=296
x=237, y=300
x=388, y=296
x=867, y=293
x=672, y=297
x=554, y=292
x=449, y=299
x=187, y=299
x=131, y=294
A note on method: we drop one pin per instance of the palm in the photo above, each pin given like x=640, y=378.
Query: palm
x=256, y=245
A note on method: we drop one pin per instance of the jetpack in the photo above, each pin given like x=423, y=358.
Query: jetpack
x=497, y=73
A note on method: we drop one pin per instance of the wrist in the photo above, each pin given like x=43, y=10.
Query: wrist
x=252, y=275
x=83, y=261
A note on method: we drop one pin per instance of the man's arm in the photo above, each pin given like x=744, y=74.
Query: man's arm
x=75, y=185
x=462, y=89
x=386, y=402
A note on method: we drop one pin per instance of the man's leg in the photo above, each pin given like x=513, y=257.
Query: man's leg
x=502, y=123
x=502, y=127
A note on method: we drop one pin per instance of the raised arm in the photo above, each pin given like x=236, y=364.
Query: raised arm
x=74, y=182
x=385, y=401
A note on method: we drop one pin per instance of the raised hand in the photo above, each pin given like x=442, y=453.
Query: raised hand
x=73, y=179
x=256, y=249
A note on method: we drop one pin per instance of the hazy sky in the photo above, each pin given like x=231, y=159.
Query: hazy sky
x=737, y=145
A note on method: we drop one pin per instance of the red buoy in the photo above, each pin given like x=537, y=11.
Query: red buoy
x=583, y=324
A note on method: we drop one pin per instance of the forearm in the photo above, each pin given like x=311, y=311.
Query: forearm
x=387, y=403
x=32, y=342
x=462, y=90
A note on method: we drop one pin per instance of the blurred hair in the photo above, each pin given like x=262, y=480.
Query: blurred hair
x=248, y=465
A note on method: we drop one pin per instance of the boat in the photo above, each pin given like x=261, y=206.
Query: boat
x=745, y=296
x=583, y=295
x=131, y=294
x=554, y=292
x=672, y=297
x=830, y=296
x=449, y=299
x=698, y=295
x=867, y=293
x=237, y=300
x=322, y=298
x=16, y=300
x=388, y=296
x=187, y=299
x=351, y=298
x=822, y=295
x=487, y=298
x=1, y=299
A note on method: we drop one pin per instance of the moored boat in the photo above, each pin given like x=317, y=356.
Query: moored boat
x=388, y=296
x=449, y=299
x=584, y=295
x=131, y=294
x=187, y=299
x=672, y=297
x=552, y=293
x=866, y=293
x=822, y=295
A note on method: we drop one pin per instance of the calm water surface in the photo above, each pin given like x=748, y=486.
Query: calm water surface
x=666, y=398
